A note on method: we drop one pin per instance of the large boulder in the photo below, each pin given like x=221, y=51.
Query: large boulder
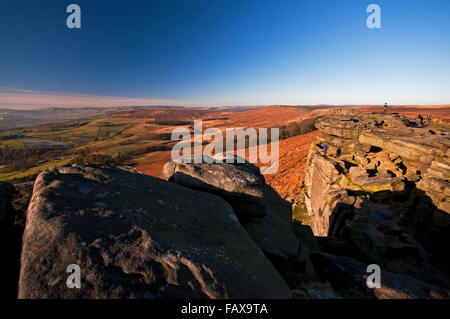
x=372, y=245
x=238, y=184
x=137, y=236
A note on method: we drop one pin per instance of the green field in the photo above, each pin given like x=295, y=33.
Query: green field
x=32, y=172
x=65, y=142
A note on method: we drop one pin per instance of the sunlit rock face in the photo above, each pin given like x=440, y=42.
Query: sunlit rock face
x=383, y=186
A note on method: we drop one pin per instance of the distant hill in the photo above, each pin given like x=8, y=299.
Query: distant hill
x=10, y=118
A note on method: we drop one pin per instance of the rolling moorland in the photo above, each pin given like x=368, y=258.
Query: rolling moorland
x=140, y=137
x=124, y=137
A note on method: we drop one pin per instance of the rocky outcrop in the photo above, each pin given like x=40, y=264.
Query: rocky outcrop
x=373, y=153
x=321, y=178
x=136, y=236
x=380, y=194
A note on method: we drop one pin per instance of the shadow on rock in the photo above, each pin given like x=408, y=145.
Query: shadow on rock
x=403, y=232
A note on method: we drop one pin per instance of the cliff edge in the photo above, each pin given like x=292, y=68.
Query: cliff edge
x=380, y=194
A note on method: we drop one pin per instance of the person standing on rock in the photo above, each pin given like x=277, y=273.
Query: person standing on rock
x=419, y=120
x=429, y=119
x=325, y=148
x=385, y=108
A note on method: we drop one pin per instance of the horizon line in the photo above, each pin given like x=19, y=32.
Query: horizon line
x=24, y=99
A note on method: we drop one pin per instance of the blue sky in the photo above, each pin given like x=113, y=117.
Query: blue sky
x=227, y=52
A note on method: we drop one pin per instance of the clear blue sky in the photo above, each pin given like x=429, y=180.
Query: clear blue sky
x=230, y=52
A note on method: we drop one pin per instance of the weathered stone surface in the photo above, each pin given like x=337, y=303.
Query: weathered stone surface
x=302, y=259
x=340, y=128
x=438, y=189
x=383, y=195
x=21, y=199
x=305, y=236
x=273, y=233
x=319, y=178
x=237, y=161
x=333, y=245
x=358, y=175
x=430, y=225
x=387, y=155
x=374, y=246
x=136, y=236
x=238, y=184
x=382, y=183
x=346, y=273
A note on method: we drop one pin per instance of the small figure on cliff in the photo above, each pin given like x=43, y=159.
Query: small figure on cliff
x=385, y=108
x=429, y=119
x=325, y=148
x=419, y=120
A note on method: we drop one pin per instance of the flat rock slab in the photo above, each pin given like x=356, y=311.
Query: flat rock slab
x=137, y=236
